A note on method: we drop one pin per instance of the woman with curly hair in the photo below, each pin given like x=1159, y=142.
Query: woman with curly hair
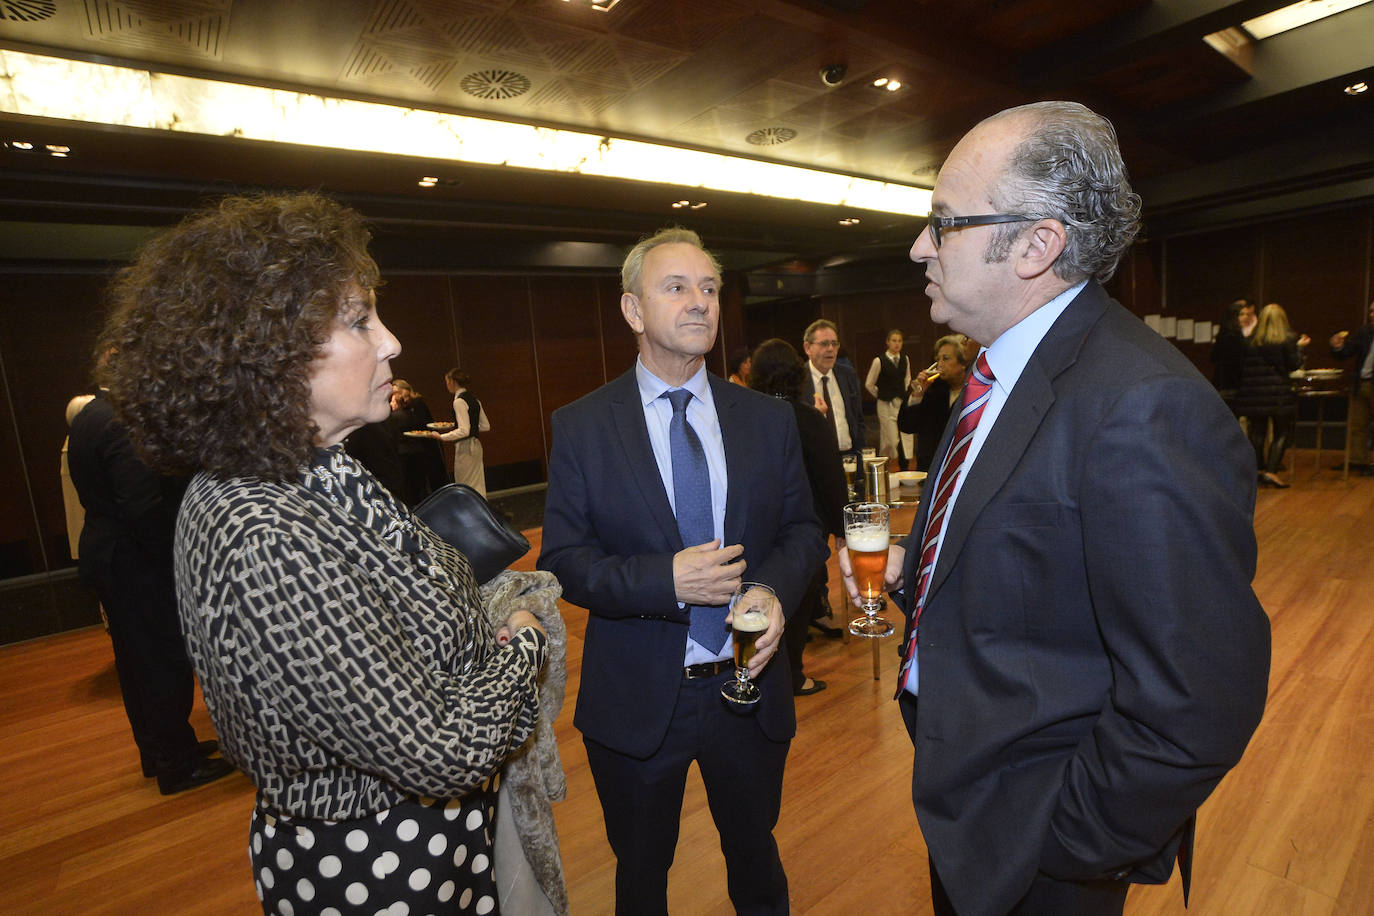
x=340, y=643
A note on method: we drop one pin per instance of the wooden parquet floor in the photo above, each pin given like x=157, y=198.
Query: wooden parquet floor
x=1290, y=832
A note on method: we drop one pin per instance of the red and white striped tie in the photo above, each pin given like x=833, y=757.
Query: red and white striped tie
x=977, y=390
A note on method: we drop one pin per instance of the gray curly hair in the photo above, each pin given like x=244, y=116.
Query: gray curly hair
x=1069, y=168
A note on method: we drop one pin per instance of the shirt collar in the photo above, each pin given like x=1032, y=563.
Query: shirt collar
x=816, y=373
x=1009, y=354
x=651, y=387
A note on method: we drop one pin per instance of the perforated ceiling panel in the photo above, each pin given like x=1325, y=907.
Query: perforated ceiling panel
x=199, y=28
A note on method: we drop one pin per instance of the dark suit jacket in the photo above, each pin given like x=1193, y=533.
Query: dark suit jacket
x=1356, y=345
x=610, y=536
x=847, y=380
x=1092, y=657
x=926, y=419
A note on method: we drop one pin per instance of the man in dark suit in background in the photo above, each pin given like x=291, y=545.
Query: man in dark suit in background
x=1360, y=345
x=639, y=536
x=835, y=387
x=1085, y=657
x=126, y=553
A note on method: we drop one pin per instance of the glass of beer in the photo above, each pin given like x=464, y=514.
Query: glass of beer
x=851, y=473
x=866, y=538
x=748, y=620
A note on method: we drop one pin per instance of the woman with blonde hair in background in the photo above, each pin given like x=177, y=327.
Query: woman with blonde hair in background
x=1266, y=395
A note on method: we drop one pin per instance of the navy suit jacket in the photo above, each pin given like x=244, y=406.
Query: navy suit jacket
x=847, y=380
x=1356, y=345
x=1092, y=656
x=610, y=536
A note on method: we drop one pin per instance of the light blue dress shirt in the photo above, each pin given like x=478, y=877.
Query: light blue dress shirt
x=1007, y=358
x=701, y=415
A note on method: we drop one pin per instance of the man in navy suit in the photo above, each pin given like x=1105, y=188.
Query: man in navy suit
x=649, y=702
x=1085, y=657
x=835, y=387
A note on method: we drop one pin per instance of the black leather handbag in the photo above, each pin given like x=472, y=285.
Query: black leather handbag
x=460, y=515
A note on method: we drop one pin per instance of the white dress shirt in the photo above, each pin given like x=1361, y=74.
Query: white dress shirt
x=836, y=405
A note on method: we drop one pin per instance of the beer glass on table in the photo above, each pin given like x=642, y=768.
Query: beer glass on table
x=866, y=537
x=749, y=619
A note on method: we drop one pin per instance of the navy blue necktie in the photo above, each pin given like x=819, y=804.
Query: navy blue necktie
x=692, y=502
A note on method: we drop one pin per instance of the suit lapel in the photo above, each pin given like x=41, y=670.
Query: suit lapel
x=1017, y=423
x=733, y=432
x=633, y=434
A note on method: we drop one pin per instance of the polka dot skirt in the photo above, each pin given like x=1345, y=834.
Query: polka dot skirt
x=420, y=857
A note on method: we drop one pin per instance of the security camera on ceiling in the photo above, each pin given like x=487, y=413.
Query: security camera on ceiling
x=833, y=74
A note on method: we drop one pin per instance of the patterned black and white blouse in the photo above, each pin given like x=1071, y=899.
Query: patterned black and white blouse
x=341, y=646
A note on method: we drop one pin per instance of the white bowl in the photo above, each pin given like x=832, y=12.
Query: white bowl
x=909, y=478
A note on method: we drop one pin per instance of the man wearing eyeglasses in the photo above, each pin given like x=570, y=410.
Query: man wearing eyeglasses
x=834, y=387
x=1085, y=657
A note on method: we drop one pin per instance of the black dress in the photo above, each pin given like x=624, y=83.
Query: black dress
x=825, y=472
x=422, y=459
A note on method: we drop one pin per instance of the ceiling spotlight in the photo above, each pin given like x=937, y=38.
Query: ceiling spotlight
x=893, y=86
x=850, y=221
x=688, y=204
x=679, y=204
x=880, y=82
x=428, y=182
x=884, y=82
x=20, y=145
x=1357, y=88
x=58, y=150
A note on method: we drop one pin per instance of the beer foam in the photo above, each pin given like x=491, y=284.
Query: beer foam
x=750, y=622
x=866, y=538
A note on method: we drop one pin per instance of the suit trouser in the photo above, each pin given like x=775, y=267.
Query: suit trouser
x=641, y=800
x=887, y=430
x=1046, y=895
x=155, y=676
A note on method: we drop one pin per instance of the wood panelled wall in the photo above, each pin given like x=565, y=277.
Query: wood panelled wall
x=534, y=343
x=530, y=343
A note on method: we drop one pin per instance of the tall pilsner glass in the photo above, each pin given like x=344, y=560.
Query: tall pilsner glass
x=748, y=619
x=866, y=537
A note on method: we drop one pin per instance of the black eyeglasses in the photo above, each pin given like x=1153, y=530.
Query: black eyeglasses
x=940, y=223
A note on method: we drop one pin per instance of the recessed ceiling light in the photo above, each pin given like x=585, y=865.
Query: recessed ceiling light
x=880, y=82
x=20, y=145
x=427, y=182
x=1357, y=88
x=58, y=150
x=688, y=204
x=893, y=86
x=888, y=83
x=850, y=221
